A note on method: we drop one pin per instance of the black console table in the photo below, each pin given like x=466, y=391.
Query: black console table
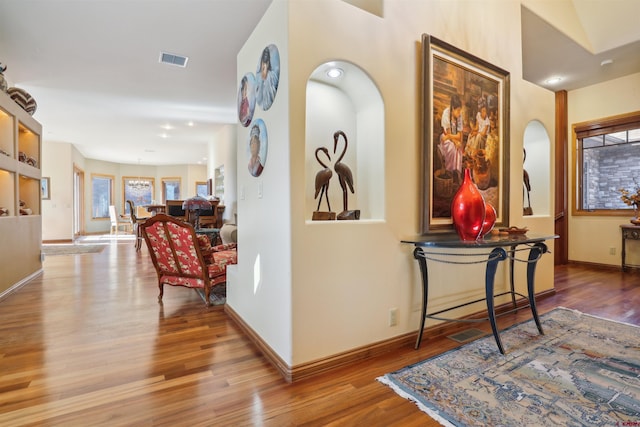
x=497, y=247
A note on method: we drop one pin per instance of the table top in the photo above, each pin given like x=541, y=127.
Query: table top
x=632, y=226
x=450, y=240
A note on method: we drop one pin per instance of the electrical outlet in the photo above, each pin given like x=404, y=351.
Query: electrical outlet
x=612, y=251
x=393, y=316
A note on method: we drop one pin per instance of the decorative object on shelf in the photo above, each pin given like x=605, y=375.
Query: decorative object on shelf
x=323, y=177
x=513, y=230
x=468, y=209
x=23, y=99
x=4, y=211
x=24, y=210
x=32, y=162
x=466, y=125
x=345, y=178
x=22, y=156
x=4, y=152
x=196, y=205
x=3, y=81
x=632, y=199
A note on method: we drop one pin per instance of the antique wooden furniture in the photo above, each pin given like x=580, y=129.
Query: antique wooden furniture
x=118, y=222
x=491, y=250
x=181, y=258
x=629, y=232
x=174, y=209
x=136, y=221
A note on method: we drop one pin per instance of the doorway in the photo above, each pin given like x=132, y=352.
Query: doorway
x=78, y=202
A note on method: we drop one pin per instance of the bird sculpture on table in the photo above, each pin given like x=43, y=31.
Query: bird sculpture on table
x=345, y=177
x=322, y=179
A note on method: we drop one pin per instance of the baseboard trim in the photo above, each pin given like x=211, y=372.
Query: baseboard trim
x=19, y=284
x=309, y=369
x=57, y=241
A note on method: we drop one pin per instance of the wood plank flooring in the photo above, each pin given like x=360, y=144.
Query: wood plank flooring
x=86, y=343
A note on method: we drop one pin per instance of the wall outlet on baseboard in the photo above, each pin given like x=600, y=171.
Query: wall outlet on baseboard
x=393, y=316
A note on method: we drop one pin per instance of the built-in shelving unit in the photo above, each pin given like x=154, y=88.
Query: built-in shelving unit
x=20, y=194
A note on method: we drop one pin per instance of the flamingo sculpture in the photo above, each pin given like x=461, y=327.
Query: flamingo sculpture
x=344, y=173
x=322, y=178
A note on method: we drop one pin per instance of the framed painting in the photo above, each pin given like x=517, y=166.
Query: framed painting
x=45, y=190
x=465, y=124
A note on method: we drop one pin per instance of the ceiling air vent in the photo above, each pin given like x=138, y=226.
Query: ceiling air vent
x=169, y=58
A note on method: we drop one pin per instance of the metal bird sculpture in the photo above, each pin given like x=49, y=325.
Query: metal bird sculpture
x=344, y=173
x=322, y=178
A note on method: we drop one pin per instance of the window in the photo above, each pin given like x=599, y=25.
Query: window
x=139, y=190
x=607, y=159
x=101, y=195
x=170, y=189
x=201, y=189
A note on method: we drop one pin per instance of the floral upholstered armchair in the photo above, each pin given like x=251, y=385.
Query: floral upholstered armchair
x=178, y=257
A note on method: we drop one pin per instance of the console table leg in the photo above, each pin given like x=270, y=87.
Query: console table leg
x=496, y=255
x=418, y=254
x=534, y=254
x=511, y=274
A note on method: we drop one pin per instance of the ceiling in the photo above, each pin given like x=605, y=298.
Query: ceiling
x=93, y=67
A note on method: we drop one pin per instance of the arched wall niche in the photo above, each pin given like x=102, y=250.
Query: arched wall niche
x=351, y=103
x=537, y=164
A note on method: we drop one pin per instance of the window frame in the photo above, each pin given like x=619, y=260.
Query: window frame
x=111, y=179
x=174, y=180
x=592, y=128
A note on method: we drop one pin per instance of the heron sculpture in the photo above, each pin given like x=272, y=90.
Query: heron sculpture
x=345, y=177
x=322, y=178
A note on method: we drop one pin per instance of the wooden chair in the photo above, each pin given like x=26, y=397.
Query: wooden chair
x=135, y=221
x=178, y=257
x=118, y=222
x=209, y=218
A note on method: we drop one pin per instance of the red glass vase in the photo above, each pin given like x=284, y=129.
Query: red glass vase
x=468, y=209
x=489, y=219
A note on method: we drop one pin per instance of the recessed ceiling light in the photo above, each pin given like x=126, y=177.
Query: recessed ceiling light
x=334, y=73
x=167, y=127
x=190, y=124
x=606, y=62
x=553, y=80
x=163, y=135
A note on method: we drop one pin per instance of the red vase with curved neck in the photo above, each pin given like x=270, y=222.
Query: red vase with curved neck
x=468, y=209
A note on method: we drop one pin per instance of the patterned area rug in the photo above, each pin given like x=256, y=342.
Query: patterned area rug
x=217, y=296
x=585, y=371
x=70, y=249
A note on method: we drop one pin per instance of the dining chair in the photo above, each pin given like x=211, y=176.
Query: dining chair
x=118, y=222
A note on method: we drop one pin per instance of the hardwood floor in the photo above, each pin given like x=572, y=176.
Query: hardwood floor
x=86, y=343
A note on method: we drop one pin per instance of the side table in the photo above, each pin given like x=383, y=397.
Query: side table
x=629, y=232
x=493, y=249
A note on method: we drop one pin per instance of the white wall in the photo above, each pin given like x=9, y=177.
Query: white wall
x=58, y=211
x=223, y=151
x=607, y=99
x=328, y=288
x=260, y=292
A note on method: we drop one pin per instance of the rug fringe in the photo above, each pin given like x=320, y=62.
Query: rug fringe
x=431, y=412
x=620, y=322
